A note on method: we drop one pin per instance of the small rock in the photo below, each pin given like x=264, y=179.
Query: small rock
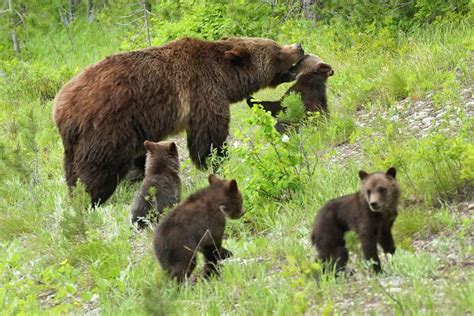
x=427, y=120
x=451, y=257
x=420, y=115
x=440, y=113
x=395, y=290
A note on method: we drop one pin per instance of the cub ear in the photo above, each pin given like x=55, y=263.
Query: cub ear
x=172, y=149
x=363, y=174
x=232, y=186
x=325, y=69
x=391, y=172
x=149, y=146
x=212, y=178
x=237, y=54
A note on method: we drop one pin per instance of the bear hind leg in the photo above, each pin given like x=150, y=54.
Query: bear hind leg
x=333, y=253
x=101, y=181
x=71, y=178
x=182, y=270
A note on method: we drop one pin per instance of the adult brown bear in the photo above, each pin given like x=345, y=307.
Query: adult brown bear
x=106, y=112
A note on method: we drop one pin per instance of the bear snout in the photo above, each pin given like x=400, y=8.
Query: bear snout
x=238, y=214
x=295, y=50
x=374, y=206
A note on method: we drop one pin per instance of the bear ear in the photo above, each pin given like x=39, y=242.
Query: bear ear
x=212, y=178
x=325, y=69
x=232, y=186
x=363, y=174
x=237, y=54
x=149, y=146
x=391, y=172
x=172, y=149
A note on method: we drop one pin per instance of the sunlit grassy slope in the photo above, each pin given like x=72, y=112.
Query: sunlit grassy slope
x=59, y=257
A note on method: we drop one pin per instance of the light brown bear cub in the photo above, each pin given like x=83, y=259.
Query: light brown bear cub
x=161, y=175
x=195, y=225
x=370, y=213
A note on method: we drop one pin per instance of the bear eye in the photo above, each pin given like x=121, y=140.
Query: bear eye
x=382, y=190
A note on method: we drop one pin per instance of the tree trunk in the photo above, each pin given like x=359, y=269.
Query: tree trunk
x=70, y=11
x=90, y=14
x=16, y=43
x=147, y=28
x=307, y=6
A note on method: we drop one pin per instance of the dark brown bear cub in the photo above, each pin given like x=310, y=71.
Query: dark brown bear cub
x=370, y=213
x=311, y=74
x=195, y=225
x=161, y=175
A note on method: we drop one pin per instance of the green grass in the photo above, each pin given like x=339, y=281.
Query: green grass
x=60, y=257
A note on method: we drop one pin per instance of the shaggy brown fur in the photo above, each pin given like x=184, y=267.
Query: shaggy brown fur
x=195, y=225
x=161, y=174
x=311, y=74
x=369, y=212
x=106, y=112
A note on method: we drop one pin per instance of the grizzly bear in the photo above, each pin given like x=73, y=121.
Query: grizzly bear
x=311, y=74
x=195, y=225
x=370, y=213
x=161, y=174
x=107, y=111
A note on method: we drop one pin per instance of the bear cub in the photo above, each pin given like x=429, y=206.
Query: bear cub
x=161, y=177
x=311, y=74
x=195, y=225
x=370, y=213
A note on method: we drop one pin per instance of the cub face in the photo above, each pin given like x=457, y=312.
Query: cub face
x=379, y=190
x=231, y=202
x=311, y=64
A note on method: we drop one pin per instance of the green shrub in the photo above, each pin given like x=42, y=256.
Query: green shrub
x=275, y=163
x=293, y=109
x=31, y=81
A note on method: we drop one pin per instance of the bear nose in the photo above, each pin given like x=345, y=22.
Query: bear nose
x=374, y=205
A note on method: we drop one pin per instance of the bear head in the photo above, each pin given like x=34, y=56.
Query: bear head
x=312, y=65
x=228, y=196
x=160, y=155
x=379, y=190
x=268, y=60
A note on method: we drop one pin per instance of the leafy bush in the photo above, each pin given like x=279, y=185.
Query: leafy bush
x=208, y=20
x=276, y=164
x=372, y=15
x=438, y=166
x=31, y=81
x=293, y=109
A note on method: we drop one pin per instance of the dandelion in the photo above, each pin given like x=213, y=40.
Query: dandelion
x=285, y=138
